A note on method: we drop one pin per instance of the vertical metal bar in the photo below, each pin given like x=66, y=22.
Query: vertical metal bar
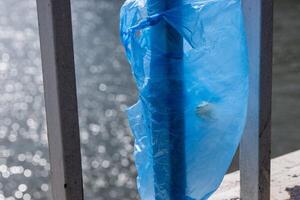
x=176, y=126
x=256, y=143
x=60, y=98
x=169, y=171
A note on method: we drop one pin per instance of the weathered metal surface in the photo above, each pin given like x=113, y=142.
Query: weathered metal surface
x=285, y=182
x=256, y=143
x=60, y=98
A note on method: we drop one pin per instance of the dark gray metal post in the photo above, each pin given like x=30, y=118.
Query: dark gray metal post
x=256, y=143
x=167, y=135
x=60, y=98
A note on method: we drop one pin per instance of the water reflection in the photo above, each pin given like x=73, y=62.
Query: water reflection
x=24, y=166
x=104, y=90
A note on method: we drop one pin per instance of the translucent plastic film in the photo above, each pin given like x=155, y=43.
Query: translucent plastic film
x=189, y=60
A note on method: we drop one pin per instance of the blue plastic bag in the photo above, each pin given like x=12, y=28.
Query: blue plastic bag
x=189, y=60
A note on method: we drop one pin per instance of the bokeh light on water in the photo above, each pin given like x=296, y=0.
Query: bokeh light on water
x=24, y=166
x=105, y=89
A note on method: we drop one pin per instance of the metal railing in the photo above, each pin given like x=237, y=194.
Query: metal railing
x=255, y=147
x=61, y=100
x=56, y=39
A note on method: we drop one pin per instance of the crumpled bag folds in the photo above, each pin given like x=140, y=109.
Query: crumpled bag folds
x=189, y=60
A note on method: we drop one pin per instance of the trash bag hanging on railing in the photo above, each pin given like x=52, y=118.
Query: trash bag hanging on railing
x=189, y=60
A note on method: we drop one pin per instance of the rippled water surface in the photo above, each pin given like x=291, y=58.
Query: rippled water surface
x=105, y=89
x=286, y=77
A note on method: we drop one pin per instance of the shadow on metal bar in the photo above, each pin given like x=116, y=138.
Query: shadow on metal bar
x=256, y=144
x=55, y=28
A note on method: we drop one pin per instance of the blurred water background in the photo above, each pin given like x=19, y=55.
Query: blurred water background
x=105, y=89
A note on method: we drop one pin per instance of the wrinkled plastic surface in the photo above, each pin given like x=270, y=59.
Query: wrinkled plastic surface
x=189, y=60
